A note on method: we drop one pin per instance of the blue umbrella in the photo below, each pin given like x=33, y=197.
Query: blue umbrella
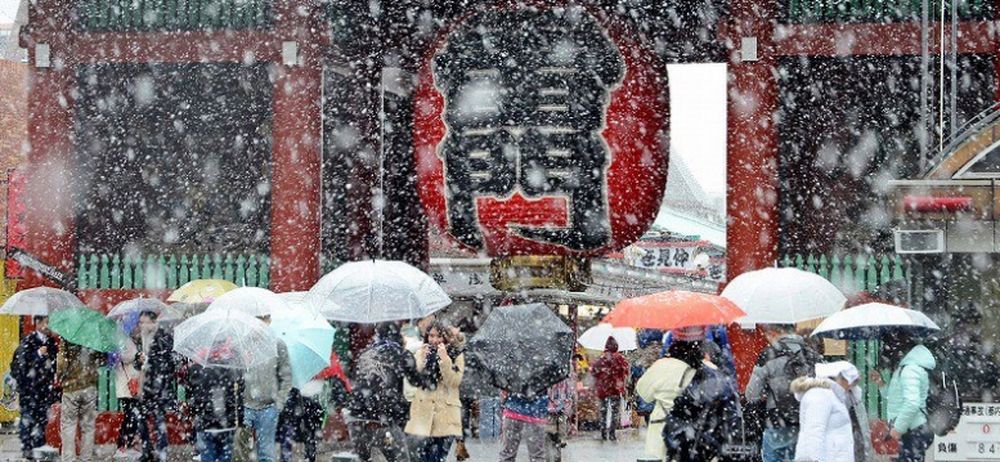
x=309, y=339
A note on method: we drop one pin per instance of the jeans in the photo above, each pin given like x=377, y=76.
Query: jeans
x=367, y=436
x=34, y=417
x=78, y=407
x=434, y=449
x=158, y=411
x=614, y=405
x=778, y=444
x=489, y=418
x=914, y=443
x=510, y=439
x=264, y=423
x=215, y=446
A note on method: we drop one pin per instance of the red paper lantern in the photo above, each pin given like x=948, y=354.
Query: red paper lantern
x=541, y=130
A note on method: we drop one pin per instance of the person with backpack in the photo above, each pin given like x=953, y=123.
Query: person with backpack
x=34, y=372
x=663, y=382
x=377, y=409
x=700, y=404
x=787, y=358
x=650, y=343
x=907, y=394
x=610, y=373
x=826, y=425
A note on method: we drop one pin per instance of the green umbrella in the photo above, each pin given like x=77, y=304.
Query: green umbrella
x=86, y=328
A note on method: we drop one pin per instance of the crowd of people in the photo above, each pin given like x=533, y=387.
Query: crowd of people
x=413, y=405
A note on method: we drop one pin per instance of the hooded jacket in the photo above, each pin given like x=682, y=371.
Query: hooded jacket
x=610, y=371
x=269, y=383
x=825, y=432
x=906, y=394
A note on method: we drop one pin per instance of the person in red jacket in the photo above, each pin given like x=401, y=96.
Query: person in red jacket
x=610, y=372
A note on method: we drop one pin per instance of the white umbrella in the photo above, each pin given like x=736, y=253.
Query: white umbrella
x=595, y=337
x=253, y=301
x=783, y=296
x=375, y=291
x=874, y=320
x=40, y=301
x=225, y=338
x=297, y=299
x=142, y=305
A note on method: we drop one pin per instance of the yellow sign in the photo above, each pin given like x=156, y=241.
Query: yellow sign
x=540, y=272
x=10, y=336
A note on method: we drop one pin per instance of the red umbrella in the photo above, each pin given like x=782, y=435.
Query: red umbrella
x=673, y=309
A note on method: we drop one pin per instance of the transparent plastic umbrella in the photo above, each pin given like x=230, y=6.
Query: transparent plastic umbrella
x=595, y=337
x=783, y=296
x=180, y=311
x=142, y=305
x=374, y=291
x=252, y=301
x=309, y=339
x=298, y=299
x=40, y=301
x=225, y=338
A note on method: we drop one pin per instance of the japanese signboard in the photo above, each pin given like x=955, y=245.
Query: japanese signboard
x=693, y=258
x=541, y=130
x=977, y=436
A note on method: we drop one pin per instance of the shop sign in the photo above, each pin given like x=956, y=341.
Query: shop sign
x=541, y=130
x=977, y=436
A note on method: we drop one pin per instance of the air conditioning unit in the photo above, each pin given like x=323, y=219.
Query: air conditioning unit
x=911, y=241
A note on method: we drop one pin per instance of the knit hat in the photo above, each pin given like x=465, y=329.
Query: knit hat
x=688, y=334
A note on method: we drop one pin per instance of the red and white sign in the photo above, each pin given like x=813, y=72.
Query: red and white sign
x=541, y=130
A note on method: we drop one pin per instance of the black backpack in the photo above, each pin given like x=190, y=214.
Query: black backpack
x=704, y=419
x=944, y=402
x=799, y=363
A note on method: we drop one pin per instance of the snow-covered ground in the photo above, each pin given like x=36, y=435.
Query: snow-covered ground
x=582, y=448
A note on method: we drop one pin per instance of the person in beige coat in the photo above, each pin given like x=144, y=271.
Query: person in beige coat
x=664, y=381
x=436, y=411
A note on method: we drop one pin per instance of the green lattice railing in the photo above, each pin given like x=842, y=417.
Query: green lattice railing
x=162, y=272
x=170, y=271
x=876, y=11
x=169, y=15
x=854, y=275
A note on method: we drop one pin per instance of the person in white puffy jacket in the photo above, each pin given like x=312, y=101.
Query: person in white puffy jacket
x=825, y=433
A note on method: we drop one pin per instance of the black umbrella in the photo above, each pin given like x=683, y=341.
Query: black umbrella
x=522, y=348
